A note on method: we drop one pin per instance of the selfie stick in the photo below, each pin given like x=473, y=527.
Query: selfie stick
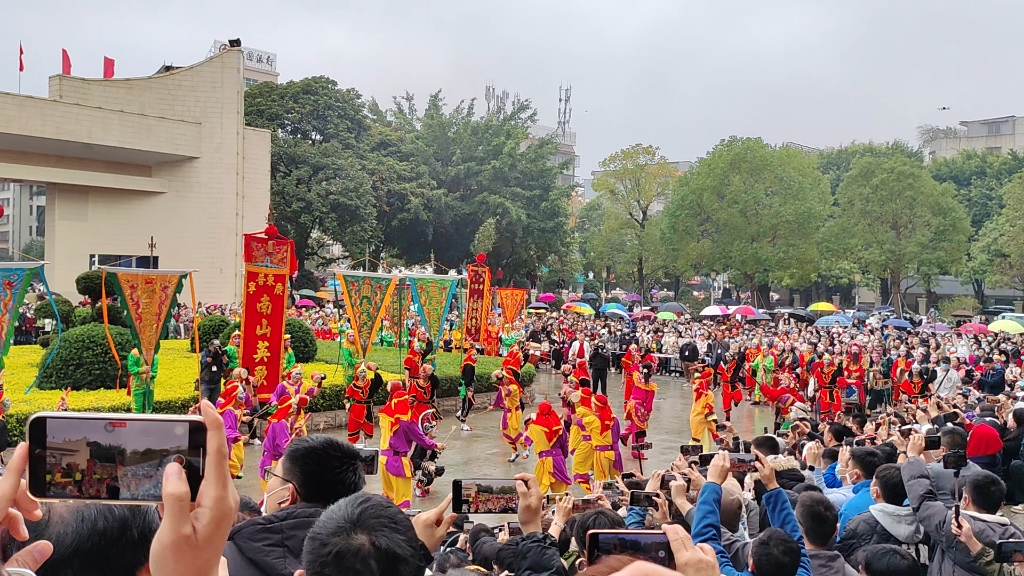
x=445, y=441
x=956, y=495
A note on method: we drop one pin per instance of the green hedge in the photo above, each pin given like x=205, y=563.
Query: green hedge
x=44, y=311
x=304, y=342
x=83, y=360
x=210, y=327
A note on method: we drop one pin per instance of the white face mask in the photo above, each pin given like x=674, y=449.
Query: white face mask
x=266, y=497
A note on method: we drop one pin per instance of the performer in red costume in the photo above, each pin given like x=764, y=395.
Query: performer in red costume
x=630, y=362
x=804, y=360
x=582, y=374
x=749, y=382
x=411, y=365
x=729, y=376
x=855, y=369
x=830, y=402
x=784, y=397
x=900, y=372
x=513, y=362
x=913, y=387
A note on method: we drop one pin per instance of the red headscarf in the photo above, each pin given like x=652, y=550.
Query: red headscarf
x=604, y=412
x=586, y=394
x=549, y=421
x=283, y=410
x=228, y=396
x=983, y=441
x=398, y=407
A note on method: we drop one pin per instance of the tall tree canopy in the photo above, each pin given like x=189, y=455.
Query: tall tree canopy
x=834, y=163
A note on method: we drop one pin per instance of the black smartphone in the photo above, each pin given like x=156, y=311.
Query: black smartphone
x=907, y=431
x=642, y=499
x=932, y=442
x=111, y=457
x=610, y=489
x=1009, y=551
x=369, y=460
x=484, y=496
x=865, y=440
x=412, y=512
x=666, y=481
x=649, y=545
x=581, y=505
x=954, y=460
x=628, y=475
x=553, y=498
x=513, y=529
x=950, y=417
x=691, y=450
x=467, y=526
x=997, y=401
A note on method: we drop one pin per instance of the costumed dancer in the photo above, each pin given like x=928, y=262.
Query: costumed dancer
x=640, y=405
x=764, y=367
x=582, y=374
x=729, y=376
x=702, y=412
x=466, y=387
x=784, y=398
x=750, y=356
x=506, y=339
x=582, y=448
x=424, y=462
x=411, y=365
x=62, y=404
x=295, y=387
x=913, y=388
x=358, y=402
x=879, y=379
x=230, y=405
x=604, y=429
x=569, y=385
x=512, y=363
x=512, y=416
x=277, y=437
x=804, y=360
x=855, y=369
x=398, y=433
x=491, y=337
x=289, y=354
x=544, y=431
x=826, y=376
x=348, y=356
x=241, y=377
x=423, y=392
x=900, y=371
x=231, y=351
x=141, y=381
x=630, y=360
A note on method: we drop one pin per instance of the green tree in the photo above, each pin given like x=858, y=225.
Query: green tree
x=319, y=183
x=634, y=184
x=834, y=163
x=754, y=210
x=1002, y=238
x=36, y=247
x=898, y=222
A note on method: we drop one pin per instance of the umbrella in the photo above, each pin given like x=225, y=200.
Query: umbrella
x=744, y=310
x=305, y=303
x=674, y=307
x=590, y=296
x=667, y=316
x=973, y=328
x=898, y=323
x=538, y=306
x=798, y=313
x=935, y=327
x=572, y=297
x=633, y=297
x=578, y=307
x=844, y=316
x=834, y=320
x=823, y=307
x=307, y=292
x=1006, y=326
x=962, y=314
x=760, y=316
x=323, y=295
x=616, y=313
x=715, y=311
x=547, y=297
x=612, y=306
x=860, y=315
x=880, y=309
x=644, y=315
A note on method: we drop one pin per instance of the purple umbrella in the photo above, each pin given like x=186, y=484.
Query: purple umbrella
x=304, y=303
x=935, y=327
x=633, y=297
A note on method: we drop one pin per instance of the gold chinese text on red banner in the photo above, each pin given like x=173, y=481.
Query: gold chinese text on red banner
x=477, y=300
x=512, y=302
x=263, y=315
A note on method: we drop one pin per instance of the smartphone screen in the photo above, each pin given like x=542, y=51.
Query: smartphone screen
x=467, y=526
x=74, y=456
x=954, y=460
x=641, y=499
x=553, y=498
x=666, y=481
x=412, y=512
x=581, y=505
x=650, y=545
x=484, y=496
x=691, y=450
x=369, y=460
x=513, y=529
x=906, y=431
x=628, y=475
x=932, y=442
x=1009, y=551
x=950, y=417
x=737, y=462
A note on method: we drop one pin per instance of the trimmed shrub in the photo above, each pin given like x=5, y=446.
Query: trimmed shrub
x=209, y=327
x=592, y=285
x=305, y=279
x=44, y=311
x=303, y=340
x=88, y=285
x=82, y=317
x=43, y=341
x=83, y=360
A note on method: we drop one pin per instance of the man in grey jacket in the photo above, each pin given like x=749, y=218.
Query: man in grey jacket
x=954, y=439
x=818, y=519
x=982, y=498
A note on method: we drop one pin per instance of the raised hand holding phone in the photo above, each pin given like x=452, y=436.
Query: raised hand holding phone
x=718, y=471
x=766, y=471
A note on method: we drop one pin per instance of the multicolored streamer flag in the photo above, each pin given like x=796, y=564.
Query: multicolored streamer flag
x=366, y=296
x=433, y=296
x=269, y=263
x=512, y=302
x=147, y=297
x=15, y=278
x=478, y=306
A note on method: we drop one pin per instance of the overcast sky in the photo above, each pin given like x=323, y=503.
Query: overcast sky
x=677, y=74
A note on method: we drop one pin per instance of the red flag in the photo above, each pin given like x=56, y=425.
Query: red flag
x=65, y=62
x=21, y=58
x=108, y=67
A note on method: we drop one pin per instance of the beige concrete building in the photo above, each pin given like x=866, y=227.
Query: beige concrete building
x=998, y=135
x=167, y=156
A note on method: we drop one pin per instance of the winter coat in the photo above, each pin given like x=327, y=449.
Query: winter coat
x=270, y=545
x=942, y=480
x=537, y=555
x=884, y=524
x=829, y=563
x=951, y=557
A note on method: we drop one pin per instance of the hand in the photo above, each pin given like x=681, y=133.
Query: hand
x=432, y=526
x=678, y=490
x=246, y=418
x=440, y=446
x=696, y=480
x=844, y=457
x=678, y=465
x=244, y=439
x=921, y=415
x=15, y=507
x=563, y=509
x=692, y=560
x=661, y=515
x=718, y=471
x=962, y=530
x=191, y=537
x=766, y=470
x=899, y=441
x=502, y=536
x=916, y=445
x=813, y=454
x=529, y=502
x=654, y=483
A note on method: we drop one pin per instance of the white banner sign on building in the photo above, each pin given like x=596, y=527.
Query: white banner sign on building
x=253, y=58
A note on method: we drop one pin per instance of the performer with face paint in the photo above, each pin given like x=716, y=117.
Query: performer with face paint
x=358, y=403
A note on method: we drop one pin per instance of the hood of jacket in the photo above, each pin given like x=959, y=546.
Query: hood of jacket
x=271, y=545
x=900, y=521
x=829, y=563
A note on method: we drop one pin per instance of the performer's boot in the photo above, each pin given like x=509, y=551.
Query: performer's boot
x=513, y=457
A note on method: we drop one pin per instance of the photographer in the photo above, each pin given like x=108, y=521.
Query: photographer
x=213, y=361
x=600, y=362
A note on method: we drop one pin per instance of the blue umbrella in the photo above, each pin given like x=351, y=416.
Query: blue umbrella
x=844, y=316
x=898, y=323
x=880, y=309
x=612, y=306
x=589, y=296
x=833, y=320
x=615, y=313
x=860, y=315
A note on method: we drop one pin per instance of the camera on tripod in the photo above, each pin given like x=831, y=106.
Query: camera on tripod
x=955, y=460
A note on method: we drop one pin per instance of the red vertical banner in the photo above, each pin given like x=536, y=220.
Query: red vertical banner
x=478, y=299
x=265, y=294
x=108, y=67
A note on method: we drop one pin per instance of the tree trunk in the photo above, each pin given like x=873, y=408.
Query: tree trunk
x=978, y=284
x=895, y=279
x=640, y=280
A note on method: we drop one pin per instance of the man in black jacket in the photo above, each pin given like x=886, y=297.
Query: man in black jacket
x=688, y=355
x=315, y=472
x=600, y=362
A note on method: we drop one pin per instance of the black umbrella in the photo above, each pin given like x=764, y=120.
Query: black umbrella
x=538, y=306
x=590, y=296
x=675, y=307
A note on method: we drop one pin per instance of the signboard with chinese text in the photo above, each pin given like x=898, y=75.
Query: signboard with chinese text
x=367, y=297
x=265, y=293
x=478, y=299
x=253, y=58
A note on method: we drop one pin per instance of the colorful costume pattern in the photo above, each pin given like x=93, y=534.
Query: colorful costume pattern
x=764, y=368
x=545, y=434
x=348, y=356
x=855, y=369
x=398, y=433
x=749, y=380
x=583, y=450
x=830, y=401
x=729, y=376
x=230, y=410
x=512, y=416
x=604, y=429
x=277, y=437
x=702, y=412
x=141, y=384
x=640, y=404
x=360, y=411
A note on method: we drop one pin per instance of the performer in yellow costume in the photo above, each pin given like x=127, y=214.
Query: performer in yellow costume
x=231, y=405
x=545, y=432
x=702, y=413
x=583, y=454
x=512, y=416
x=604, y=428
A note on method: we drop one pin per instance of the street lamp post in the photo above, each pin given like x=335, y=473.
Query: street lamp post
x=604, y=284
x=856, y=289
x=713, y=276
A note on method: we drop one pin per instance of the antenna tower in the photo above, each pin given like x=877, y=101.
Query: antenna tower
x=564, y=110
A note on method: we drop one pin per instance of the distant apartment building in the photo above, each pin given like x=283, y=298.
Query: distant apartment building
x=24, y=216
x=988, y=135
x=566, y=151
x=588, y=183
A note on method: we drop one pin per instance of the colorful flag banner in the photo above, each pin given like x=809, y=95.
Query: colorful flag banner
x=433, y=296
x=65, y=62
x=264, y=304
x=367, y=296
x=147, y=298
x=512, y=302
x=478, y=305
x=270, y=249
x=15, y=278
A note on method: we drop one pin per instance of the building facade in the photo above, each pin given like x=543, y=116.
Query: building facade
x=124, y=160
x=989, y=135
x=566, y=151
x=24, y=218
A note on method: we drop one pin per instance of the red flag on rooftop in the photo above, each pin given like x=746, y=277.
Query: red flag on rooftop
x=108, y=67
x=21, y=58
x=65, y=62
